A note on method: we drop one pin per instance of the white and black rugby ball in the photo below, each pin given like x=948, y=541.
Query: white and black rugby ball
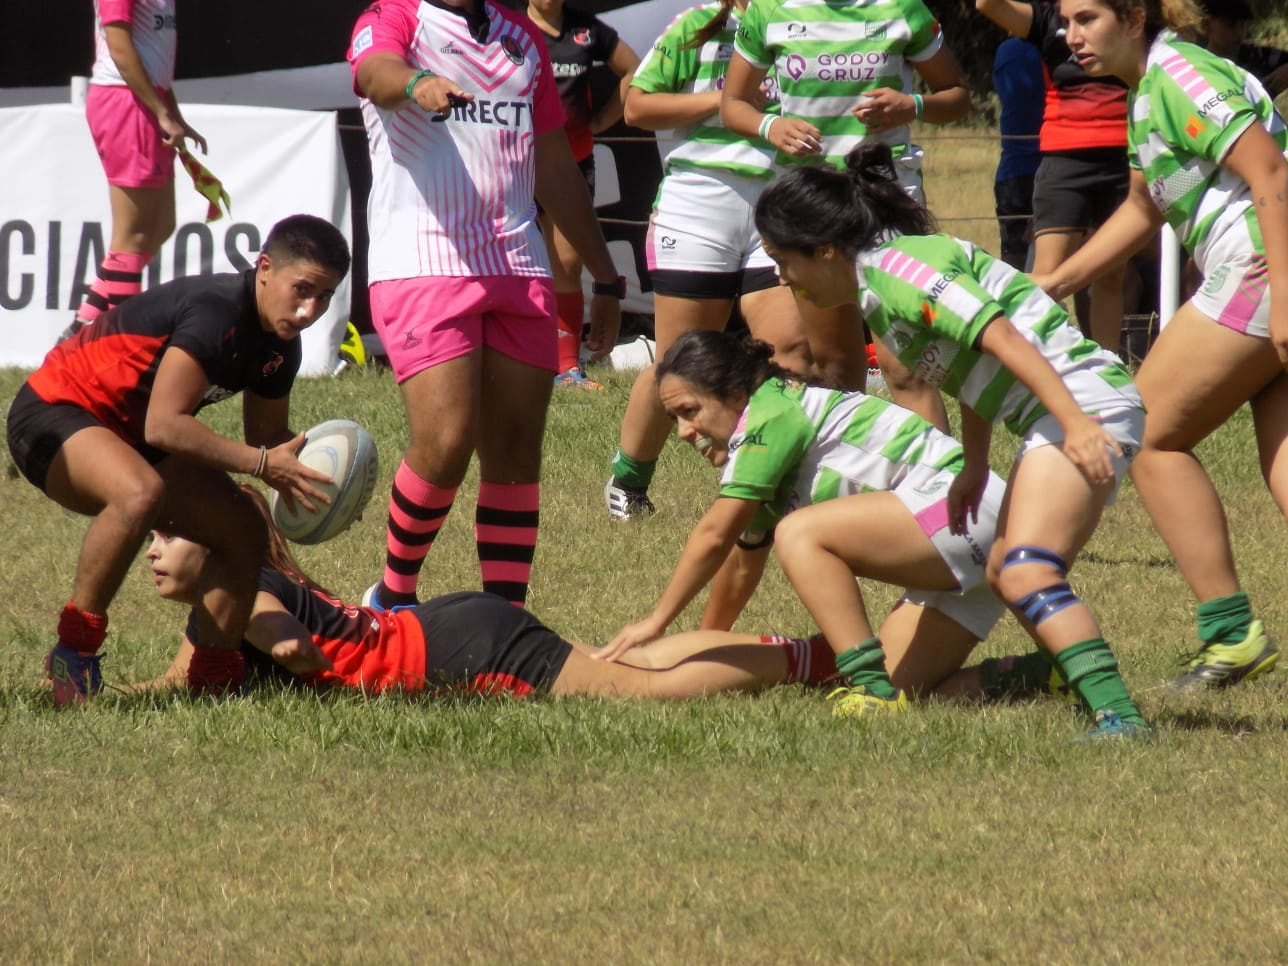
x=344, y=451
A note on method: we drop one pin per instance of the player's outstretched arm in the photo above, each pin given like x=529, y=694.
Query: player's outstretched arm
x=733, y=585
x=705, y=550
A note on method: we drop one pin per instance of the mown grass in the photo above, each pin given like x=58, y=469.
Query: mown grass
x=285, y=827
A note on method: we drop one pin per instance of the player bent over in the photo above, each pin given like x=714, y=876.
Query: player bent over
x=107, y=427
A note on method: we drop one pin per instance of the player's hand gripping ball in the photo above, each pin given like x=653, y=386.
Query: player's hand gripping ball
x=345, y=452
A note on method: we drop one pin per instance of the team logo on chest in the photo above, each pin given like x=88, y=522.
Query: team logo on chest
x=512, y=50
x=273, y=364
x=581, y=37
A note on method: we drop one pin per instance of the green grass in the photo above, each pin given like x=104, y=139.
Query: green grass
x=287, y=827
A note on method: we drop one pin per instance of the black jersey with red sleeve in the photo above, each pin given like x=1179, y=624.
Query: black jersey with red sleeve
x=584, y=41
x=108, y=368
x=371, y=650
x=1081, y=111
x=463, y=641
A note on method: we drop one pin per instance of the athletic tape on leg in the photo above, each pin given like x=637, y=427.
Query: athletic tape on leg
x=1046, y=603
x=1030, y=555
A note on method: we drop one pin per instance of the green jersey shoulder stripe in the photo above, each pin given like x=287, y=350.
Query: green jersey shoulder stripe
x=929, y=299
x=1189, y=109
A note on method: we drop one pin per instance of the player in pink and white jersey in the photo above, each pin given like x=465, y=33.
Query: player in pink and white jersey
x=137, y=125
x=465, y=131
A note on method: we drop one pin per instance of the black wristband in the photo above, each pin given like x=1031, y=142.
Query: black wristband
x=615, y=289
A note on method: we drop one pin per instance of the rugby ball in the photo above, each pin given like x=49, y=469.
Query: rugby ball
x=344, y=451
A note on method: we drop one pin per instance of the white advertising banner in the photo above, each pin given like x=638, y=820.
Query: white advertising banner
x=55, y=220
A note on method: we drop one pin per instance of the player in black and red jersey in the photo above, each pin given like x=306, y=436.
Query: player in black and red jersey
x=466, y=641
x=106, y=427
x=1083, y=174
x=576, y=42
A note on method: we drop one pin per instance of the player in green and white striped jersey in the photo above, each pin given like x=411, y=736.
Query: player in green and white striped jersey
x=845, y=77
x=972, y=325
x=1208, y=154
x=845, y=71
x=702, y=247
x=880, y=477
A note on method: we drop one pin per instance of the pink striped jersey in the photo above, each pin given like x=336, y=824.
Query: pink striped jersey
x=152, y=29
x=454, y=195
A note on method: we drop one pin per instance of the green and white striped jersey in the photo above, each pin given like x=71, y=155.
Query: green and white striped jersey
x=1183, y=119
x=829, y=53
x=674, y=66
x=795, y=445
x=930, y=297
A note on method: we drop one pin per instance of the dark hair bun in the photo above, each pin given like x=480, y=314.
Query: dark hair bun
x=759, y=350
x=871, y=162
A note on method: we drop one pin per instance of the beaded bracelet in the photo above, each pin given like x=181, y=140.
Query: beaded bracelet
x=416, y=78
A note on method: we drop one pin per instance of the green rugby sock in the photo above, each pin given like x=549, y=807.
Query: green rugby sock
x=1225, y=620
x=864, y=666
x=1092, y=671
x=631, y=473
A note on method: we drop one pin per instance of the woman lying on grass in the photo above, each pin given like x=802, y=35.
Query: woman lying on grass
x=467, y=641
x=878, y=477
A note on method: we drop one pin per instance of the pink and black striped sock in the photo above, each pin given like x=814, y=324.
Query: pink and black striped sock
x=505, y=528
x=417, y=509
x=119, y=276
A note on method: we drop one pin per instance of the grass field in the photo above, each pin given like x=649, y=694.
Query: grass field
x=284, y=827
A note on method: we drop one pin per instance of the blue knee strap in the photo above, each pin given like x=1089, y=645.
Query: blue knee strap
x=1046, y=603
x=1026, y=555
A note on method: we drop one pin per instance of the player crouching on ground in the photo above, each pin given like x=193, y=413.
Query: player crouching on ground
x=106, y=427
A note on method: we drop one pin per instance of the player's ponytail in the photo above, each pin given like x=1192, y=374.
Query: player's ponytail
x=813, y=206
x=278, y=555
x=719, y=364
x=876, y=186
x=717, y=23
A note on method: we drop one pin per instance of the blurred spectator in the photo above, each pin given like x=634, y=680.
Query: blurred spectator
x=1019, y=83
x=576, y=42
x=1226, y=26
x=1083, y=175
x=137, y=126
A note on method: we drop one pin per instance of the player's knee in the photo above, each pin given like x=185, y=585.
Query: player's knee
x=139, y=501
x=1031, y=582
x=794, y=537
